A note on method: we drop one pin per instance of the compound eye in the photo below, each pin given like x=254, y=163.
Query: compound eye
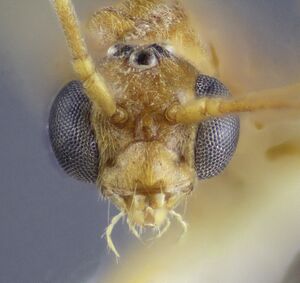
x=143, y=59
x=120, y=50
x=216, y=138
x=71, y=135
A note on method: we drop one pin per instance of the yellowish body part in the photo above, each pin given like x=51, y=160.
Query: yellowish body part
x=145, y=117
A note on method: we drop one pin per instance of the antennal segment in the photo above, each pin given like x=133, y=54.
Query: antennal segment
x=82, y=62
x=198, y=110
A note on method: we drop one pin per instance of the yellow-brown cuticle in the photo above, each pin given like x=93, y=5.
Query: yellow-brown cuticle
x=120, y=116
x=170, y=112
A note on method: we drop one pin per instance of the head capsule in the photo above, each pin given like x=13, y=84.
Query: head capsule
x=143, y=162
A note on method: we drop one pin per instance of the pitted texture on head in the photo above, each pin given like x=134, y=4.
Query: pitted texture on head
x=216, y=138
x=71, y=134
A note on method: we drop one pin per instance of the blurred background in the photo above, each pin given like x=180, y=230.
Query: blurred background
x=244, y=225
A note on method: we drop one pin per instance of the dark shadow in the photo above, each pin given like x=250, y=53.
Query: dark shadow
x=293, y=273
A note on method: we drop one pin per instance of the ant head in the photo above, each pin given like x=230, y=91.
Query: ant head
x=145, y=163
